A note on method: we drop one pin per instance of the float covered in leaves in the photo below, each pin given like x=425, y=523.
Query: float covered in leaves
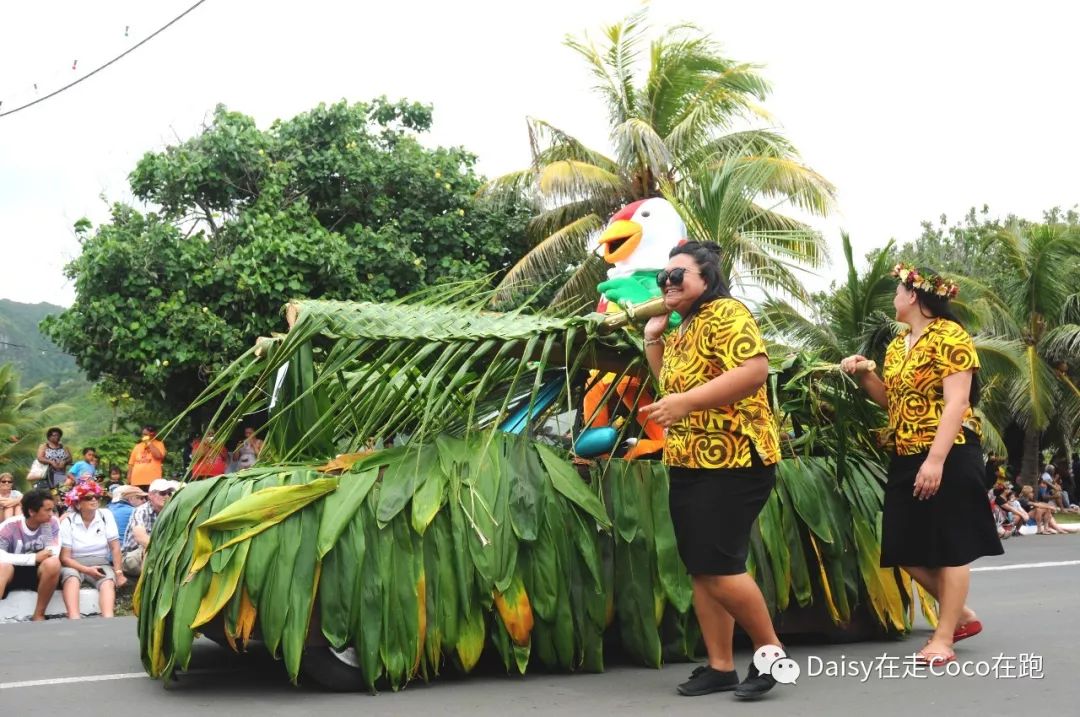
x=481, y=531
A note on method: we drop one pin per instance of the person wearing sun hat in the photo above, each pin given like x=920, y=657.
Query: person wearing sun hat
x=125, y=499
x=935, y=518
x=89, y=550
x=141, y=525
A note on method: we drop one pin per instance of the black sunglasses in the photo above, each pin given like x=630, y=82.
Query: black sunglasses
x=675, y=276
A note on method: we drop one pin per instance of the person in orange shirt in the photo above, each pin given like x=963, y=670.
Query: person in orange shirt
x=147, y=457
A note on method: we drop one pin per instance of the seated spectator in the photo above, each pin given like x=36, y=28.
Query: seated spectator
x=86, y=467
x=141, y=525
x=10, y=499
x=1043, y=514
x=126, y=499
x=89, y=543
x=1061, y=496
x=30, y=550
x=1015, y=516
x=1050, y=493
x=209, y=459
x=247, y=451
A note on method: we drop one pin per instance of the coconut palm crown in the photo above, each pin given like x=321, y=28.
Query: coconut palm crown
x=682, y=131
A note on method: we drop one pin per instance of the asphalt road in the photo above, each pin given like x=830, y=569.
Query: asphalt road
x=1032, y=611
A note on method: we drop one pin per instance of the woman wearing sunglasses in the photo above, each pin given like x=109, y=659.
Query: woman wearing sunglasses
x=89, y=542
x=10, y=498
x=721, y=448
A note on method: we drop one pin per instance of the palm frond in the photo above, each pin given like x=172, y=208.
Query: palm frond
x=719, y=98
x=566, y=247
x=1034, y=394
x=550, y=221
x=405, y=368
x=791, y=182
x=783, y=322
x=549, y=144
x=579, y=292
x=573, y=180
x=1054, y=262
x=518, y=183
x=999, y=356
x=613, y=66
x=1062, y=343
x=637, y=145
x=754, y=142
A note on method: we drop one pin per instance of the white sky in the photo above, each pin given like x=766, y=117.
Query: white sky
x=912, y=109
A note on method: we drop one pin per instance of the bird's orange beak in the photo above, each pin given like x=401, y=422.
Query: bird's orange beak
x=620, y=240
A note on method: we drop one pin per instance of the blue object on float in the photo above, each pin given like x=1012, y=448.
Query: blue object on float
x=519, y=419
x=595, y=441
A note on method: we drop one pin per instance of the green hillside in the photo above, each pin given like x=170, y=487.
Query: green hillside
x=36, y=358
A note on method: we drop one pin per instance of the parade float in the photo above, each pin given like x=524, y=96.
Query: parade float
x=520, y=511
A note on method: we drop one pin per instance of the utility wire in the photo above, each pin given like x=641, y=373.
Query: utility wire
x=31, y=348
x=102, y=67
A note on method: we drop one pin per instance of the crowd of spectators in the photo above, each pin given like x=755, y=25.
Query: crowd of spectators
x=79, y=528
x=1027, y=510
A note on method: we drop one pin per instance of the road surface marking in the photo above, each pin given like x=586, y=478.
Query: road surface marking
x=1022, y=566
x=99, y=678
x=69, y=680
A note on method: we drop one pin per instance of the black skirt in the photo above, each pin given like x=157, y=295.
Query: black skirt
x=954, y=527
x=713, y=511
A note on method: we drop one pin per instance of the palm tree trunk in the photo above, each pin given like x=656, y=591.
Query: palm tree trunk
x=1029, y=468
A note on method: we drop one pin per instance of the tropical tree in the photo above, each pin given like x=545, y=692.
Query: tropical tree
x=23, y=419
x=684, y=131
x=852, y=317
x=995, y=251
x=1040, y=289
x=339, y=202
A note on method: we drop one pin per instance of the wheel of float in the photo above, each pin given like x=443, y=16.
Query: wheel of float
x=337, y=670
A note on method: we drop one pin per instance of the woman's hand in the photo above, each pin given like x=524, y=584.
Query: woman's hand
x=928, y=479
x=850, y=364
x=121, y=579
x=668, y=410
x=94, y=572
x=656, y=326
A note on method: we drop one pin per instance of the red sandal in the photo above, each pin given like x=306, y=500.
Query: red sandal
x=934, y=658
x=968, y=629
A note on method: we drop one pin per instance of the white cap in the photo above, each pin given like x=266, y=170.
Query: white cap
x=160, y=485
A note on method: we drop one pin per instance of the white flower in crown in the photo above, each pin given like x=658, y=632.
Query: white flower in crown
x=903, y=273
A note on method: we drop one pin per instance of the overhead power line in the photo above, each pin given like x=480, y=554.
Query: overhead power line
x=96, y=70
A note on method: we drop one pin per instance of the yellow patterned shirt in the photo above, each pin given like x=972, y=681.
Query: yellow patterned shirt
x=721, y=337
x=914, y=383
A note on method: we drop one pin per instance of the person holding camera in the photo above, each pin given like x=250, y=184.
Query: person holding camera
x=146, y=460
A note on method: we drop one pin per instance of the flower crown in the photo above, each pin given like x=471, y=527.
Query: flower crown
x=82, y=490
x=936, y=284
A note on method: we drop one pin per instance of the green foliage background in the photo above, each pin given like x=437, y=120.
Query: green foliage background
x=341, y=202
